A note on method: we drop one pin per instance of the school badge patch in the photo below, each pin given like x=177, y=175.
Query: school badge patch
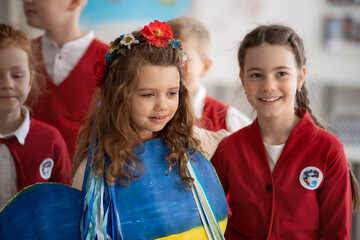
x=311, y=178
x=46, y=168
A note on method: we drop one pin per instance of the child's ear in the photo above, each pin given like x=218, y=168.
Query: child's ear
x=74, y=5
x=301, y=77
x=206, y=67
x=32, y=77
x=241, y=75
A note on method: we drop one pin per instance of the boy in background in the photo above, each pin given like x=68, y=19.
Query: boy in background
x=210, y=113
x=64, y=54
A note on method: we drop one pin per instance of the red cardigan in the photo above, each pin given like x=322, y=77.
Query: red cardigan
x=278, y=205
x=43, y=157
x=65, y=106
x=214, y=114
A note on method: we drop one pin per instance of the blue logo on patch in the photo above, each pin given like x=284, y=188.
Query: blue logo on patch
x=45, y=168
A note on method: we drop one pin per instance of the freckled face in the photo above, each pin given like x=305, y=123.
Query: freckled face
x=156, y=99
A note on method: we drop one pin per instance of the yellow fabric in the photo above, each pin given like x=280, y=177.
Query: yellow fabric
x=196, y=233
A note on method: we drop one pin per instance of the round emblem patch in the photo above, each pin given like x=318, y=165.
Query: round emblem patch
x=311, y=178
x=46, y=168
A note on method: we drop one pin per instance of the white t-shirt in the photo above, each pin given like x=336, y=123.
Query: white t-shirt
x=273, y=153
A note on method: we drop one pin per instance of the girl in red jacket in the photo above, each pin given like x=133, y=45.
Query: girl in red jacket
x=30, y=151
x=285, y=176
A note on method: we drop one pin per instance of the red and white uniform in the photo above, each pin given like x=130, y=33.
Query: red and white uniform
x=66, y=101
x=38, y=153
x=308, y=195
x=215, y=115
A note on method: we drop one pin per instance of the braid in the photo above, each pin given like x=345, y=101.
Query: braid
x=303, y=101
x=355, y=195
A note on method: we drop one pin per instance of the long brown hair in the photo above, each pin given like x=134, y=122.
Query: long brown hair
x=11, y=37
x=285, y=36
x=109, y=130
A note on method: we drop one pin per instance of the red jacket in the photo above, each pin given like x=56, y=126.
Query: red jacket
x=279, y=205
x=214, y=114
x=43, y=157
x=65, y=106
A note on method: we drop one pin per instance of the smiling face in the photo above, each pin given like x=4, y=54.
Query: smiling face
x=270, y=78
x=15, y=81
x=155, y=99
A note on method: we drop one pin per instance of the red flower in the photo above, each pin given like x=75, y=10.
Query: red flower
x=99, y=72
x=157, y=33
x=185, y=67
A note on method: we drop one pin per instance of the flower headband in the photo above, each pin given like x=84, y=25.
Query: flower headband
x=157, y=33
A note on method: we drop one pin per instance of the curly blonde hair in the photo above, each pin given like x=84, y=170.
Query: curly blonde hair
x=109, y=130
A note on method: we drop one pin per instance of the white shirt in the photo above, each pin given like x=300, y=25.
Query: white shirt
x=7, y=166
x=273, y=153
x=60, y=61
x=234, y=118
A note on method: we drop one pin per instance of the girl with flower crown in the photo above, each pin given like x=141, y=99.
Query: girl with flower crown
x=144, y=177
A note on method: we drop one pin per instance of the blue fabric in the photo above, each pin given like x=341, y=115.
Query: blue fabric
x=151, y=207
x=42, y=211
x=155, y=205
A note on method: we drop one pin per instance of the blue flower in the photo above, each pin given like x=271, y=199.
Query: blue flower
x=175, y=44
x=108, y=58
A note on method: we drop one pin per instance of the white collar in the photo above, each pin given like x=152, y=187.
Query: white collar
x=198, y=101
x=82, y=42
x=274, y=146
x=22, y=131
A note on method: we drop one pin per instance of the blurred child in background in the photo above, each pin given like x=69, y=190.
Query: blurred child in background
x=210, y=113
x=65, y=54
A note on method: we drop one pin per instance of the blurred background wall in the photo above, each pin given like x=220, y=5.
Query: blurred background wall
x=330, y=30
